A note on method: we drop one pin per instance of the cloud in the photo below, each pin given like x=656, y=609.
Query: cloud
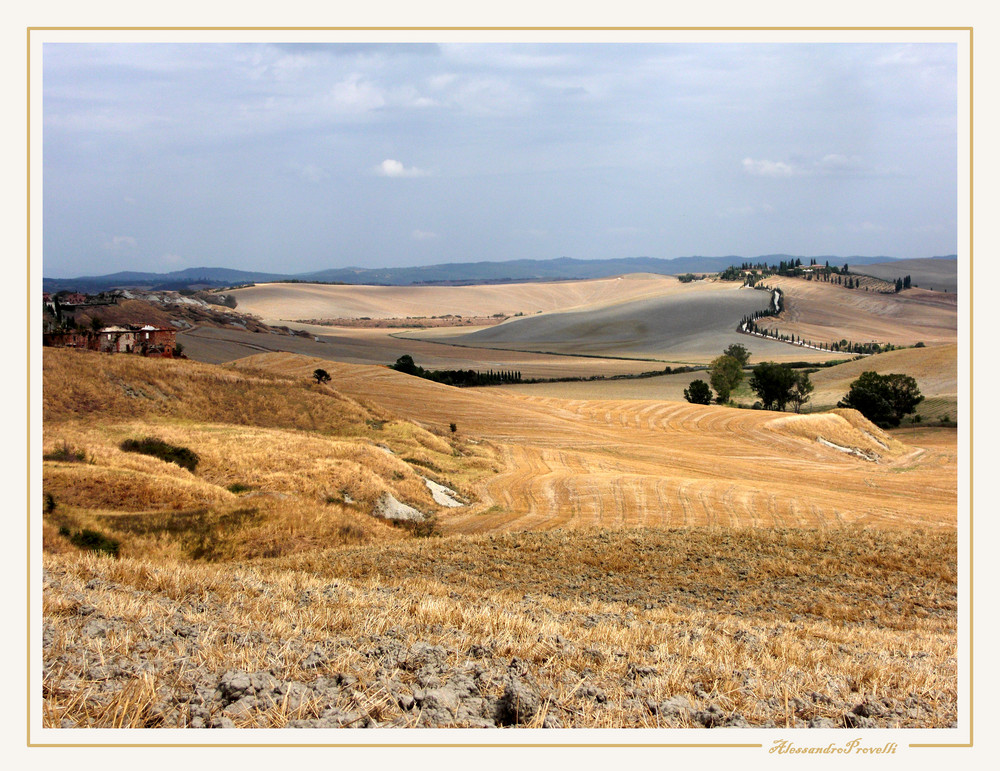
x=764, y=168
x=309, y=171
x=356, y=95
x=868, y=227
x=392, y=168
x=832, y=164
x=422, y=235
x=117, y=243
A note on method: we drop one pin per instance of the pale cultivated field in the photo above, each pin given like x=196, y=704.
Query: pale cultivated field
x=290, y=302
x=820, y=311
x=693, y=325
x=933, y=273
x=380, y=346
x=567, y=463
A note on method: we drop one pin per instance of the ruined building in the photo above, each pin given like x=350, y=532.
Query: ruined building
x=146, y=340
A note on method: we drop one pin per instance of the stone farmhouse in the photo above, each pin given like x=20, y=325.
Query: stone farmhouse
x=146, y=340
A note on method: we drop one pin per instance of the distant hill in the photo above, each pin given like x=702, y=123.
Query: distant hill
x=446, y=273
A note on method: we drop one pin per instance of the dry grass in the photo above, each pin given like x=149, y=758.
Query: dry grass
x=781, y=627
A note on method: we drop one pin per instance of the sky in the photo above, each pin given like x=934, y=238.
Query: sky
x=299, y=157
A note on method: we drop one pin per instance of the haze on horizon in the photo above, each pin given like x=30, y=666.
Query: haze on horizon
x=300, y=157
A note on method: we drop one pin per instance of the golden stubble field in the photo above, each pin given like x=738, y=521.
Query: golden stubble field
x=572, y=463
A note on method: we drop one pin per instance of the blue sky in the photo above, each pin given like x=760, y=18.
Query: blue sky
x=296, y=157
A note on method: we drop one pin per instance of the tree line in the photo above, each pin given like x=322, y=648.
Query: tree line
x=463, y=378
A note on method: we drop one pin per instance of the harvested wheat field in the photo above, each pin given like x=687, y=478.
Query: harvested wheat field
x=338, y=557
x=823, y=312
x=292, y=302
x=571, y=463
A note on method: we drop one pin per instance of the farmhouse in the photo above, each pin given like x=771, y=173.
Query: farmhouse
x=146, y=340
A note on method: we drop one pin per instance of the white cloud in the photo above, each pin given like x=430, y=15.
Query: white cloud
x=309, y=171
x=830, y=164
x=117, y=243
x=356, y=95
x=867, y=227
x=422, y=235
x=765, y=168
x=393, y=168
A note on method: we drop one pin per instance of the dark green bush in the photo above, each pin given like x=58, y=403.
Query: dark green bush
x=182, y=456
x=238, y=487
x=94, y=541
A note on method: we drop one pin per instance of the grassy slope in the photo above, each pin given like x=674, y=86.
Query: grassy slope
x=298, y=447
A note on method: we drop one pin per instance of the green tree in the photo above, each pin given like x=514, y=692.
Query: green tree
x=801, y=390
x=883, y=399
x=773, y=383
x=738, y=352
x=322, y=376
x=698, y=392
x=725, y=374
x=406, y=364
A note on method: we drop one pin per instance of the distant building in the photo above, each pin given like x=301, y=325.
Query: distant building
x=145, y=340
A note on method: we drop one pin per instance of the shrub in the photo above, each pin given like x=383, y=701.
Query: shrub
x=50, y=503
x=698, y=392
x=238, y=487
x=94, y=541
x=182, y=456
x=67, y=454
x=418, y=528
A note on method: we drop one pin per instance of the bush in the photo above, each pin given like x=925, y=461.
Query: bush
x=67, y=454
x=182, y=456
x=698, y=392
x=238, y=487
x=418, y=528
x=94, y=541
